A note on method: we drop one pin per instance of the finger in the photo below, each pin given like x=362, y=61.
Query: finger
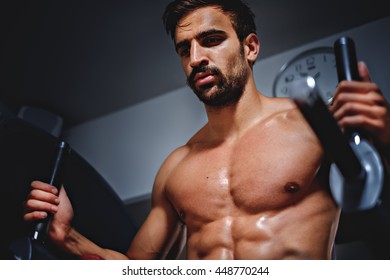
x=44, y=187
x=38, y=210
x=372, y=98
x=62, y=193
x=356, y=109
x=41, y=200
x=365, y=76
x=372, y=126
x=34, y=216
x=363, y=72
x=356, y=87
x=352, y=87
x=32, y=205
x=37, y=194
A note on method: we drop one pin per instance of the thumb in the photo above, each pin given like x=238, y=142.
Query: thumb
x=363, y=72
x=62, y=192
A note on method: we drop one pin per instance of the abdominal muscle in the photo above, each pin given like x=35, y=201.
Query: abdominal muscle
x=257, y=196
x=303, y=231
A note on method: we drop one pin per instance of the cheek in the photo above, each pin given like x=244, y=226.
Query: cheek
x=226, y=59
x=235, y=65
x=186, y=68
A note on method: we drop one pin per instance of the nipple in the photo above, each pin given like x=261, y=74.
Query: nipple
x=291, y=187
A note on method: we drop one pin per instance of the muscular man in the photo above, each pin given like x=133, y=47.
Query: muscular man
x=247, y=184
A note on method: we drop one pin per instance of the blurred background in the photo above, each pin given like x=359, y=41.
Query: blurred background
x=104, y=75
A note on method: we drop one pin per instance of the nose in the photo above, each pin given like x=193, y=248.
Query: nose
x=197, y=55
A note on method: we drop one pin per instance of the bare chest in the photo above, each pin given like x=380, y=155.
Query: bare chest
x=254, y=175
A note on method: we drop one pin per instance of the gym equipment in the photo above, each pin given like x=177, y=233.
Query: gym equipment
x=32, y=247
x=357, y=178
x=26, y=154
x=362, y=191
x=356, y=175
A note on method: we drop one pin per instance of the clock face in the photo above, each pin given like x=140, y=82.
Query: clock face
x=319, y=63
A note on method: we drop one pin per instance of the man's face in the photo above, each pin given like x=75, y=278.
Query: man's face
x=212, y=56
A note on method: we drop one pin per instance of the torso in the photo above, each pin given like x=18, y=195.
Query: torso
x=257, y=197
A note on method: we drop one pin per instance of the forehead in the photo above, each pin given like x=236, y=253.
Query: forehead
x=203, y=19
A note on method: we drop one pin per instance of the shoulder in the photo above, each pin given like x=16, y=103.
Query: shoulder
x=176, y=157
x=170, y=163
x=285, y=111
x=285, y=117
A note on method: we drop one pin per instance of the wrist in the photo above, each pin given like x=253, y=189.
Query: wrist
x=58, y=234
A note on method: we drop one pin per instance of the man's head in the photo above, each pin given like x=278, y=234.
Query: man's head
x=217, y=46
x=242, y=18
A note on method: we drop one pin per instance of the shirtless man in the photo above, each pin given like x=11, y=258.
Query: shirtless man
x=246, y=185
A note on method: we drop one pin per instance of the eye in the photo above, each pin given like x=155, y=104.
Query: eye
x=212, y=41
x=183, y=51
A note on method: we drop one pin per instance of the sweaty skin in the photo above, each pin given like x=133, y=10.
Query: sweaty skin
x=255, y=197
x=245, y=185
x=248, y=184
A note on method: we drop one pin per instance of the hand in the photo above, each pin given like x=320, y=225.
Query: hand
x=44, y=199
x=361, y=105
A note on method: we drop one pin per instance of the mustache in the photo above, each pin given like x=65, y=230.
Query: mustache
x=202, y=68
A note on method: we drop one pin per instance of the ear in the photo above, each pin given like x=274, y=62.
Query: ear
x=251, y=47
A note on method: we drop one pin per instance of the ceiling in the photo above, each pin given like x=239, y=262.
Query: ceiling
x=85, y=59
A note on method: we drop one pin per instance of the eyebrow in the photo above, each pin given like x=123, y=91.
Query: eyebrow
x=199, y=36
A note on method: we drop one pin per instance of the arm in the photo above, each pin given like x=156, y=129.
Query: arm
x=158, y=234
x=44, y=199
x=162, y=234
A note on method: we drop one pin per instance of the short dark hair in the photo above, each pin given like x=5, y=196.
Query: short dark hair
x=241, y=16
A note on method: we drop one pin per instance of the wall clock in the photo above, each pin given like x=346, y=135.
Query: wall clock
x=319, y=63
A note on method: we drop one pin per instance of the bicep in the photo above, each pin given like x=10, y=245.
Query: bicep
x=163, y=226
x=157, y=235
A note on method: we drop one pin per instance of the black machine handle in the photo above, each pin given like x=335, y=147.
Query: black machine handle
x=56, y=180
x=305, y=94
x=356, y=176
x=346, y=61
x=347, y=69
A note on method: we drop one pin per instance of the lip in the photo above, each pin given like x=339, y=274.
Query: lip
x=203, y=78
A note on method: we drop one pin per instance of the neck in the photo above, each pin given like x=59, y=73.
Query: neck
x=232, y=121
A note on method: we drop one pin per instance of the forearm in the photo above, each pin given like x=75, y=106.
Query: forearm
x=77, y=244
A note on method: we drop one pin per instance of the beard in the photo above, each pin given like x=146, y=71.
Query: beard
x=229, y=88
